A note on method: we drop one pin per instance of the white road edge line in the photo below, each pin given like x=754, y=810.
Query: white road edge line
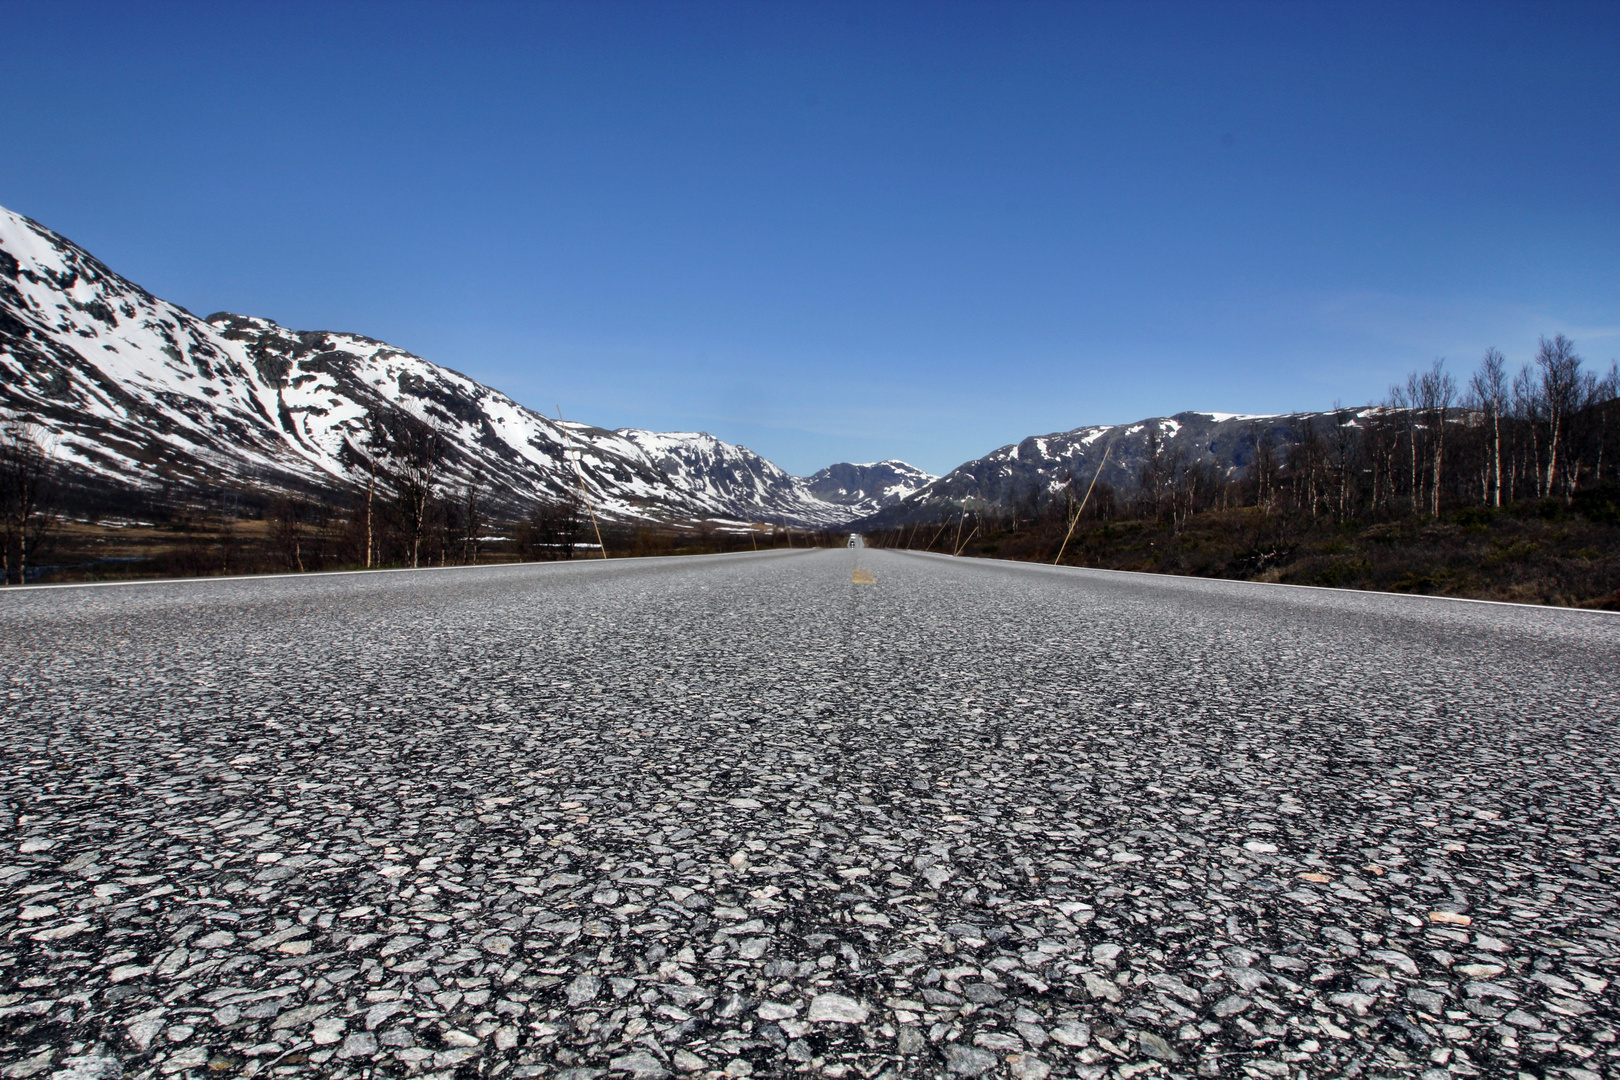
x=1239, y=581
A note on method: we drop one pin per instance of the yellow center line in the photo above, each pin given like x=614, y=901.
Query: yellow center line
x=863, y=577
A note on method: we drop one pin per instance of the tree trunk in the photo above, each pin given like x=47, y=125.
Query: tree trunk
x=1552, y=456
x=1415, y=488
x=1603, y=435
x=1535, y=459
x=1439, y=451
x=1496, y=458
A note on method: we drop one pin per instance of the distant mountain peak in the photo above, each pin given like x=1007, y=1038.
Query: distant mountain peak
x=865, y=488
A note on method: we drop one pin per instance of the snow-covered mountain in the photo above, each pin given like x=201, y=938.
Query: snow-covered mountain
x=1045, y=464
x=141, y=395
x=867, y=488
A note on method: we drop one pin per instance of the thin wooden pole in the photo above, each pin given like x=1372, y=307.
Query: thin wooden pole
x=579, y=477
x=1076, y=519
x=371, y=488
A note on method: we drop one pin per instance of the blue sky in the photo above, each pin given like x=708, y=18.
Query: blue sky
x=850, y=231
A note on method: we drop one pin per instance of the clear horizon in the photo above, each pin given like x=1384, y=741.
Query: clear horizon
x=851, y=232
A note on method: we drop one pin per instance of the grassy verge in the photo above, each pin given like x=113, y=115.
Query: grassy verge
x=1537, y=553
x=124, y=550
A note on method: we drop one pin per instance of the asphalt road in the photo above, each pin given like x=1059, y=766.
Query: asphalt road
x=746, y=814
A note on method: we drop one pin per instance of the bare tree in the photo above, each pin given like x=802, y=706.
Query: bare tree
x=1186, y=484
x=1262, y=470
x=28, y=514
x=229, y=510
x=1559, y=385
x=1158, y=472
x=1401, y=404
x=419, y=452
x=369, y=456
x=465, y=521
x=552, y=527
x=287, y=516
x=1606, y=395
x=1527, y=445
x=1305, y=466
x=1425, y=403
x=1490, y=390
x=1343, y=445
x=1380, y=441
x=1432, y=393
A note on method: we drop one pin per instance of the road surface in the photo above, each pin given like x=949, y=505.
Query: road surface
x=845, y=813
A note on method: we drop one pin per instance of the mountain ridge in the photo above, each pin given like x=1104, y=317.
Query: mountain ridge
x=1043, y=467
x=142, y=396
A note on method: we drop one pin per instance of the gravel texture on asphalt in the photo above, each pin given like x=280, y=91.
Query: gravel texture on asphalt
x=758, y=815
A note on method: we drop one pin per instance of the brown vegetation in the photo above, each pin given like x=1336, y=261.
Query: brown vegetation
x=1504, y=489
x=406, y=515
x=297, y=536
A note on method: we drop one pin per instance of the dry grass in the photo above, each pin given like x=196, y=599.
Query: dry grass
x=207, y=546
x=1538, y=553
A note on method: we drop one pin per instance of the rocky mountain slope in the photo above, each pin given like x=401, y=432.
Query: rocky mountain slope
x=867, y=488
x=142, y=396
x=1042, y=465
